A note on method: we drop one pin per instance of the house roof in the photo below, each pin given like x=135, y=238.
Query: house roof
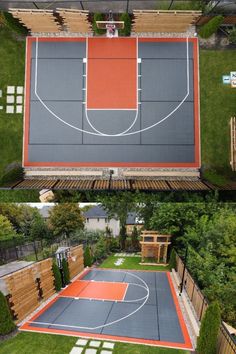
x=96, y=212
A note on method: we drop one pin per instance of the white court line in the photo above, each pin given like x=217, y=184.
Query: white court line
x=86, y=100
x=109, y=135
x=107, y=324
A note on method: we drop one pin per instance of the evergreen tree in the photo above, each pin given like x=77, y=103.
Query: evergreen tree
x=87, y=257
x=57, y=277
x=123, y=236
x=66, y=272
x=6, y=323
x=134, y=238
x=207, y=340
x=172, y=260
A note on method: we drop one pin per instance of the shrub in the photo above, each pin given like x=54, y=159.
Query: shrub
x=127, y=24
x=57, y=277
x=13, y=24
x=211, y=27
x=232, y=36
x=87, y=257
x=123, y=236
x=13, y=175
x=98, y=17
x=172, y=260
x=6, y=323
x=66, y=274
x=207, y=340
x=100, y=249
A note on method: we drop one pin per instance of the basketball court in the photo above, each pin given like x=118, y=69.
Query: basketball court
x=111, y=102
x=130, y=306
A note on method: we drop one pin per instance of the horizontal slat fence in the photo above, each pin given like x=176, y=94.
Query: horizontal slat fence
x=225, y=344
x=76, y=261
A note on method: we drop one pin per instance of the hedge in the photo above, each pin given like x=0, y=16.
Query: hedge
x=211, y=27
x=127, y=24
x=98, y=17
x=6, y=323
x=57, y=277
x=207, y=340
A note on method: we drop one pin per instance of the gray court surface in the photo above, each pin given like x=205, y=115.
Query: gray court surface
x=156, y=319
x=58, y=116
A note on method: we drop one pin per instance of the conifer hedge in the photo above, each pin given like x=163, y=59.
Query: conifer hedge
x=6, y=322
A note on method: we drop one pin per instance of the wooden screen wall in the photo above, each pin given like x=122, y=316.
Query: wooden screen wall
x=26, y=288
x=75, y=20
x=76, y=261
x=37, y=20
x=233, y=143
x=163, y=21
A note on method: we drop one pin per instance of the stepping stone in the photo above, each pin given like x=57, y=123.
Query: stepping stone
x=108, y=345
x=76, y=350
x=11, y=89
x=91, y=351
x=18, y=109
x=10, y=109
x=1, y=107
x=10, y=99
x=82, y=342
x=95, y=343
x=105, y=352
x=20, y=90
x=19, y=99
x=0, y=93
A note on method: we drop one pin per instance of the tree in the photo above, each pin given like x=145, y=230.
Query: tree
x=57, y=277
x=207, y=340
x=172, y=260
x=6, y=323
x=100, y=249
x=65, y=219
x=87, y=257
x=134, y=238
x=123, y=236
x=66, y=273
x=6, y=229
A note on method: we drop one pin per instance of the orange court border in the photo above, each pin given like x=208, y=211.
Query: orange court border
x=187, y=345
x=25, y=159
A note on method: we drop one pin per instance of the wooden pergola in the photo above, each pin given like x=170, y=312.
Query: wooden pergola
x=154, y=245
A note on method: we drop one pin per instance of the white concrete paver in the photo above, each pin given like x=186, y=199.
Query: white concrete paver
x=106, y=352
x=0, y=93
x=76, y=350
x=10, y=109
x=20, y=90
x=108, y=345
x=10, y=90
x=91, y=351
x=95, y=343
x=1, y=107
x=10, y=99
x=19, y=99
x=82, y=342
x=19, y=109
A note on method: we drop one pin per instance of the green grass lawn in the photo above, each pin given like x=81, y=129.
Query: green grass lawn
x=12, y=54
x=130, y=263
x=36, y=343
x=218, y=104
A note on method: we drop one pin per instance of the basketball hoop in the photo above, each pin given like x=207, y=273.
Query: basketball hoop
x=111, y=27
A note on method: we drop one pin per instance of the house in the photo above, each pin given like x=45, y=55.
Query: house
x=132, y=221
x=97, y=218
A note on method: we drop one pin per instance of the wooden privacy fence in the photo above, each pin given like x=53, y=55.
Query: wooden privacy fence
x=76, y=261
x=37, y=20
x=233, y=143
x=26, y=288
x=75, y=20
x=225, y=344
x=163, y=21
x=228, y=20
